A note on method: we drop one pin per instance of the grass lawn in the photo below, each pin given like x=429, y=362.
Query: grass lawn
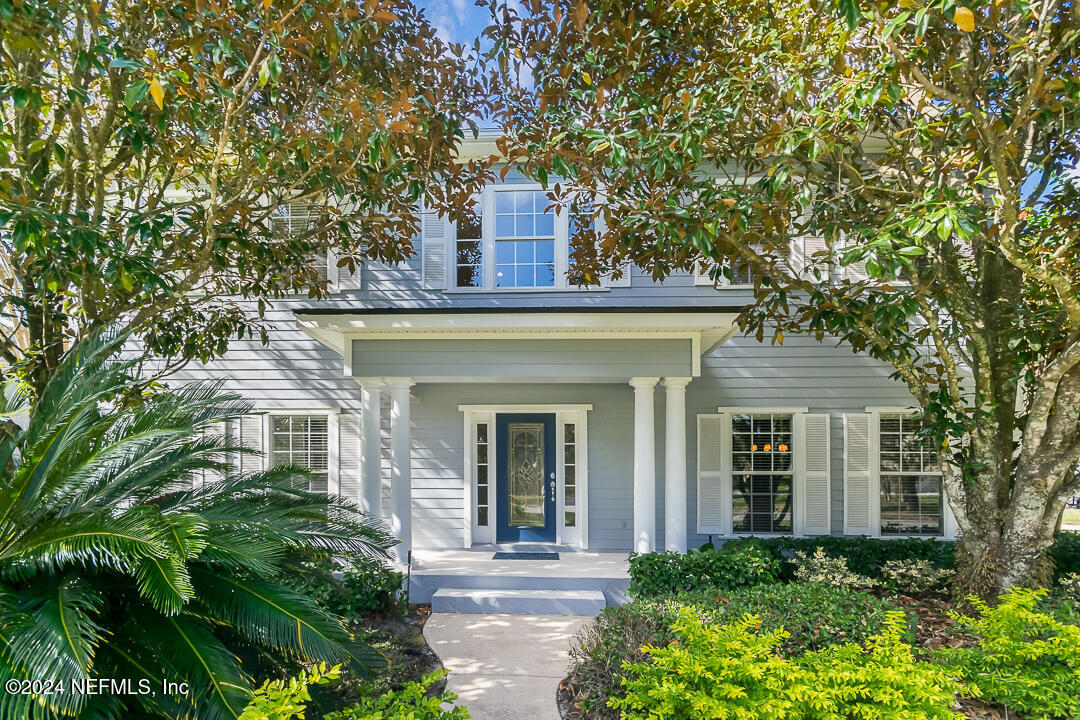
x=1071, y=519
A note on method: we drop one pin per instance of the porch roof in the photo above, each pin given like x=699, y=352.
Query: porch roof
x=603, y=332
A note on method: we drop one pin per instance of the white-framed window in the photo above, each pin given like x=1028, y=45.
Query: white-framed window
x=484, y=475
x=524, y=239
x=570, y=466
x=469, y=250
x=516, y=242
x=303, y=440
x=911, y=500
x=893, y=484
x=763, y=471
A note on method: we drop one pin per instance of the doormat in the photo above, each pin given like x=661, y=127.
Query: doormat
x=526, y=556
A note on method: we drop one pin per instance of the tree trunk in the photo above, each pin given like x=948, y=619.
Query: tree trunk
x=1006, y=534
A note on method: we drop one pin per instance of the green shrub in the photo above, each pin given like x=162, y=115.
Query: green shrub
x=1069, y=587
x=1026, y=660
x=1066, y=553
x=913, y=577
x=287, y=700
x=864, y=556
x=821, y=568
x=669, y=573
x=414, y=702
x=363, y=587
x=599, y=650
x=884, y=680
x=733, y=671
x=814, y=616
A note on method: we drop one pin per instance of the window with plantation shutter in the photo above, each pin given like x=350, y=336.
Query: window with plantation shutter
x=762, y=473
x=853, y=271
x=303, y=440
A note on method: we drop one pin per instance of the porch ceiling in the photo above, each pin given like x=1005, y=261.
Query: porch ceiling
x=640, y=331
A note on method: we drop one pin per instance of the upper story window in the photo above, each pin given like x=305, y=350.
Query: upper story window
x=911, y=500
x=514, y=242
x=524, y=239
x=469, y=251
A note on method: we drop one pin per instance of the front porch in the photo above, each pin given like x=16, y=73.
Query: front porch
x=521, y=387
x=577, y=583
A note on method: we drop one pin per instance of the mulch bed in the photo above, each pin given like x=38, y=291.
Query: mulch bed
x=400, y=638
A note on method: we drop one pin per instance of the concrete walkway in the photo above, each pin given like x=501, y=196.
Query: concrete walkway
x=504, y=667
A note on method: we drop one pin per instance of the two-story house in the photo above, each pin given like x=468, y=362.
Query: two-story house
x=473, y=398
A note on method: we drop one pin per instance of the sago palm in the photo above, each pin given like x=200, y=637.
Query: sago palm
x=114, y=563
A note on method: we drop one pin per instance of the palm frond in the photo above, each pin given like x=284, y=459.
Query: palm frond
x=55, y=639
x=90, y=539
x=165, y=582
x=218, y=685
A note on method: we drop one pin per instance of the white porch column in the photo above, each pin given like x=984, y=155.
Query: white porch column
x=400, y=466
x=371, y=446
x=644, y=464
x=675, y=463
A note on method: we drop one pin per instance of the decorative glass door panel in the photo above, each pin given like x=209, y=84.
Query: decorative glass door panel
x=526, y=478
x=526, y=469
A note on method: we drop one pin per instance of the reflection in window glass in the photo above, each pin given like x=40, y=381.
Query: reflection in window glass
x=469, y=250
x=569, y=474
x=524, y=239
x=482, y=477
x=912, y=500
x=761, y=480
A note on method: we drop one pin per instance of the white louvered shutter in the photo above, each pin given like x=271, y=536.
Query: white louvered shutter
x=433, y=251
x=349, y=457
x=622, y=281
x=855, y=272
x=803, y=250
x=815, y=474
x=251, y=436
x=341, y=278
x=295, y=218
x=857, y=519
x=714, y=438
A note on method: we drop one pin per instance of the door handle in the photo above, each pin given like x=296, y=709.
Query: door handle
x=553, y=490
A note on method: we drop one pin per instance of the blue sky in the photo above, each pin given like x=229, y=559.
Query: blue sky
x=458, y=21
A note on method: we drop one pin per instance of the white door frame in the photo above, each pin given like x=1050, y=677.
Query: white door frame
x=577, y=536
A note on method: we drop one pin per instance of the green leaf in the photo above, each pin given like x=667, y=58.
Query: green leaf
x=125, y=63
x=850, y=10
x=135, y=92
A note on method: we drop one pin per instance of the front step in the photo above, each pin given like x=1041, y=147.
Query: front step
x=518, y=602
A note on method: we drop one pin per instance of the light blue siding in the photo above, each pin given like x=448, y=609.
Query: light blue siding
x=497, y=360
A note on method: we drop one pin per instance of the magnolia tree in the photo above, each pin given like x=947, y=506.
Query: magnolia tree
x=914, y=149
x=153, y=155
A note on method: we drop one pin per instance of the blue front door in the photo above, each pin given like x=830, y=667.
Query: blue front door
x=525, y=478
